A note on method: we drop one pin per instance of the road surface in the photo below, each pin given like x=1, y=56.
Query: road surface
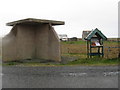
x=60, y=77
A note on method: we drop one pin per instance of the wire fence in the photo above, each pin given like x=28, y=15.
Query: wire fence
x=112, y=52
x=109, y=51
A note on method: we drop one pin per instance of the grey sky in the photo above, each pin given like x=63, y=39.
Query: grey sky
x=78, y=15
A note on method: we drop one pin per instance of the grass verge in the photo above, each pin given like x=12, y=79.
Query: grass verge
x=95, y=61
x=83, y=62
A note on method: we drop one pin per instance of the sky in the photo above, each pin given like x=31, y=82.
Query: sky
x=78, y=15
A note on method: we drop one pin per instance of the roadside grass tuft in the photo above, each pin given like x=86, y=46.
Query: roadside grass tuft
x=12, y=63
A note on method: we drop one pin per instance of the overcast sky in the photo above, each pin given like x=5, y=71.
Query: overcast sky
x=78, y=15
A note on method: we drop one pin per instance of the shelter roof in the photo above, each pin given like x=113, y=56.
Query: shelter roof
x=35, y=21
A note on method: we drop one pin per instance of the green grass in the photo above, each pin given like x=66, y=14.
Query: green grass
x=95, y=61
x=91, y=61
x=74, y=42
x=111, y=43
x=74, y=54
x=12, y=63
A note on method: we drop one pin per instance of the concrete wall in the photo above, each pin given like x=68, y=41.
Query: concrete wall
x=31, y=42
x=9, y=46
x=25, y=42
x=47, y=43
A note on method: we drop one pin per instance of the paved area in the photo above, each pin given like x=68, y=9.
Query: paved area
x=60, y=77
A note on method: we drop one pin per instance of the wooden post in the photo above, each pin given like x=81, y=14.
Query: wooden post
x=102, y=49
x=99, y=49
x=87, y=49
x=90, y=49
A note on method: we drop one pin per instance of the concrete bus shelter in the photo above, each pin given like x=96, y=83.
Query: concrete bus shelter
x=31, y=39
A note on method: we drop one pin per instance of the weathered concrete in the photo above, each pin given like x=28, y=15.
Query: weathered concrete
x=31, y=41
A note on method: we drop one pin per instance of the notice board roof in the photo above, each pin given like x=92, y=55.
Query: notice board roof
x=35, y=21
x=96, y=32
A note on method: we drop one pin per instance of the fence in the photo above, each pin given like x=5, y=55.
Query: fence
x=112, y=52
x=109, y=51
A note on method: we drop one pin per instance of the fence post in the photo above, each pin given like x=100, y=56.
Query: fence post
x=108, y=52
x=68, y=50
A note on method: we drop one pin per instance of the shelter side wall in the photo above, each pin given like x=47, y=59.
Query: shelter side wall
x=9, y=49
x=54, y=45
x=25, y=42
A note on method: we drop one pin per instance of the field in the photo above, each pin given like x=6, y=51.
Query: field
x=78, y=48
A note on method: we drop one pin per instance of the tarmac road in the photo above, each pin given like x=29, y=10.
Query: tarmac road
x=60, y=77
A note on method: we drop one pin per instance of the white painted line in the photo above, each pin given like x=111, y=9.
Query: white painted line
x=74, y=74
x=110, y=73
